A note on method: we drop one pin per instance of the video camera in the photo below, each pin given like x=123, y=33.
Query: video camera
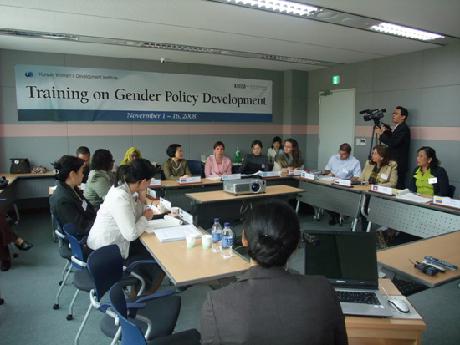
x=373, y=114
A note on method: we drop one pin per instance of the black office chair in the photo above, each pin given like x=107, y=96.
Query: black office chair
x=132, y=335
x=196, y=167
x=451, y=191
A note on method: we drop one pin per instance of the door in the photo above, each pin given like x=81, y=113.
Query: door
x=336, y=123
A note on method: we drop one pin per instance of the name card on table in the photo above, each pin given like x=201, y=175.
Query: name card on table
x=268, y=173
x=346, y=183
x=308, y=176
x=231, y=177
x=152, y=193
x=191, y=179
x=165, y=205
x=295, y=172
x=382, y=189
x=446, y=201
x=155, y=182
x=186, y=217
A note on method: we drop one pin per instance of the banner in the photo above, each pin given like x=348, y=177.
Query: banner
x=50, y=93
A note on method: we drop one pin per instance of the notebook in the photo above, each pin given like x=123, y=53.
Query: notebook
x=349, y=261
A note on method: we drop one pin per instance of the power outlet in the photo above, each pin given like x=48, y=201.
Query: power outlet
x=360, y=142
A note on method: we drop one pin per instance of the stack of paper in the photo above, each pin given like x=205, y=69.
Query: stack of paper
x=166, y=222
x=176, y=233
x=413, y=197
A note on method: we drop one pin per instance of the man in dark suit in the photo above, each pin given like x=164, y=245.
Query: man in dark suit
x=268, y=304
x=398, y=142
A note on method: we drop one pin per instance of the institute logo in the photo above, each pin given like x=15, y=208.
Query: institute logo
x=29, y=74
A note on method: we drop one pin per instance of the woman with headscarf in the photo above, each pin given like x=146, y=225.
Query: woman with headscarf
x=131, y=154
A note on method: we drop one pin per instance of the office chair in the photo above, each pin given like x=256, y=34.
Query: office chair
x=196, y=167
x=132, y=335
x=65, y=253
x=160, y=310
x=451, y=191
x=82, y=279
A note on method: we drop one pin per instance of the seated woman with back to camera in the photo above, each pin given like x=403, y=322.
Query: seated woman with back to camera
x=268, y=304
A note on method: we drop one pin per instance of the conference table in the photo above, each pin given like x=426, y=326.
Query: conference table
x=186, y=266
x=25, y=187
x=208, y=205
x=423, y=220
x=400, y=259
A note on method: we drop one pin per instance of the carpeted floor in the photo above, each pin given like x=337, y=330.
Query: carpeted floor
x=30, y=286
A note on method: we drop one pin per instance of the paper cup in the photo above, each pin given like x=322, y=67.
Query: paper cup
x=206, y=241
x=191, y=240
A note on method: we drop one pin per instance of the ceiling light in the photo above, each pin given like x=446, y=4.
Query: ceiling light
x=163, y=45
x=402, y=31
x=278, y=6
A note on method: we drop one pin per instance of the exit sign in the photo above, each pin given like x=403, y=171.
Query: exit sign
x=335, y=80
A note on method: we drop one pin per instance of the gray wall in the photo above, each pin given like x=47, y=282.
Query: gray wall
x=43, y=150
x=426, y=82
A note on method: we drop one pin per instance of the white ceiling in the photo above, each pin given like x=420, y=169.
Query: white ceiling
x=214, y=25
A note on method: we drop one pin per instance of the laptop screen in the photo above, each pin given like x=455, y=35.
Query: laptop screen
x=346, y=258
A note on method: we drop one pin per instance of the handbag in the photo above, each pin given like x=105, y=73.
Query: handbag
x=3, y=182
x=19, y=166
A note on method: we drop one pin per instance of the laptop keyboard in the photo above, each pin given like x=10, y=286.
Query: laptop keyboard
x=357, y=297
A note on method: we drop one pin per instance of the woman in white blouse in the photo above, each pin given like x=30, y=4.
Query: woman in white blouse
x=122, y=218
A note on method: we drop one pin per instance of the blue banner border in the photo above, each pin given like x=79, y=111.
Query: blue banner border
x=137, y=116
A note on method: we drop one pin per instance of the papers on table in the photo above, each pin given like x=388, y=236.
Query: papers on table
x=268, y=173
x=214, y=177
x=408, y=196
x=166, y=222
x=446, y=201
x=176, y=233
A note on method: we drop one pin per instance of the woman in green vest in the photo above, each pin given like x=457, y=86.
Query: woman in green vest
x=429, y=178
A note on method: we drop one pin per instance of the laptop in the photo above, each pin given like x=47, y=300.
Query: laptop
x=349, y=261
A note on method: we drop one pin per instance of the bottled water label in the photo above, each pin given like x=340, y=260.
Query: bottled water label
x=216, y=236
x=227, y=242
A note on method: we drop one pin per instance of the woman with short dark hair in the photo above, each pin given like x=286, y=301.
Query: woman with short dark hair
x=100, y=177
x=176, y=166
x=275, y=149
x=218, y=164
x=249, y=311
x=429, y=178
x=380, y=169
x=68, y=203
x=255, y=161
x=123, y=217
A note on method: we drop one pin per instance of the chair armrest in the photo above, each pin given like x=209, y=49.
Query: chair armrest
x=80, y=263
x=158, y=294
x=132, y=265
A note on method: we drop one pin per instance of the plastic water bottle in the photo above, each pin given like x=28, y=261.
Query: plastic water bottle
x=227, y=241
x=216, y=235
x=237, y=158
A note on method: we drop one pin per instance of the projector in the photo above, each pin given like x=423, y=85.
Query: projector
x=245, y=186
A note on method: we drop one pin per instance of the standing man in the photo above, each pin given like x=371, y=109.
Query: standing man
x=398, y=141
x=84, y=154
